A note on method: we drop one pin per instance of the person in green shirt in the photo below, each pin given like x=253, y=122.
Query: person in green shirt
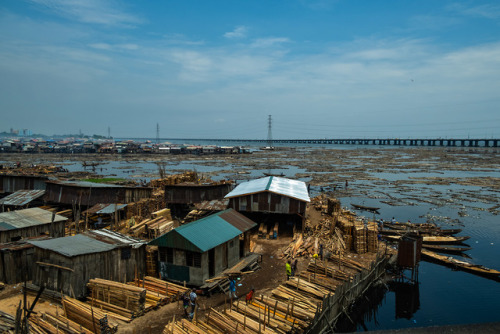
x=288, y=270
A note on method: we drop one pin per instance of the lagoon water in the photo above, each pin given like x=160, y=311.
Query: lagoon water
x=442, y=296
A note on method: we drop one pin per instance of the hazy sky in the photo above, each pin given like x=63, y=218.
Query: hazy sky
x=217, y=69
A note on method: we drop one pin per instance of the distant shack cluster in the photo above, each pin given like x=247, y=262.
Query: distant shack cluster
x=73, y=146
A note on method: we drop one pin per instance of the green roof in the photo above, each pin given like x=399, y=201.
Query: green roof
x=201, y=235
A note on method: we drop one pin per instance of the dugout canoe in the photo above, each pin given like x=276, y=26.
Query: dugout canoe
x=446, y=249
x=436, y=240
x=365, y=208
x=453, y=263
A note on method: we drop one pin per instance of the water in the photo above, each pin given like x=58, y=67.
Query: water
x=391, y=179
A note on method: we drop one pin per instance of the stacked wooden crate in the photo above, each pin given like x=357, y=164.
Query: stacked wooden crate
x=372, y=237
x=118, y=297
x=359, y=238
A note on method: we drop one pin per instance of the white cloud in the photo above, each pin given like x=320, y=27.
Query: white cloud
x=489, y=11
x=238, y=32
x=104, y=12
x=269, y=42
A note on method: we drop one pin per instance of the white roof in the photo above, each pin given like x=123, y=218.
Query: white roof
x=278, y=185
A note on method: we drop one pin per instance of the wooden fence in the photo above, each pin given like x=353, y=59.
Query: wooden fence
x=345, y=295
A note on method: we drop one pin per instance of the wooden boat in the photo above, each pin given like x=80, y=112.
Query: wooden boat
x=388, y=231
x=436, y=240
x=461, y=265
x=274, y=174
x=366, y=208
x=446, y=249
x=422, y=229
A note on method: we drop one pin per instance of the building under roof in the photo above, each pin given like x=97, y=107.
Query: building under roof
x=68, y=263
x=90, y=193
x=31, y=222
x=277, y=185
x=201, y=249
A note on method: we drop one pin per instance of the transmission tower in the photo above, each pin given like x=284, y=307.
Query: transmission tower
x=269, y=133
x=157, y=133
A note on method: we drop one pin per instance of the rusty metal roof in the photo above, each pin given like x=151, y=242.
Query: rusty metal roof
x=21, y=197
x=27, y=218
x=236, y=219
x=214, y=205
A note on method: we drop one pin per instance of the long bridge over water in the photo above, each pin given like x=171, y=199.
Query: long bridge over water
x=445, y=142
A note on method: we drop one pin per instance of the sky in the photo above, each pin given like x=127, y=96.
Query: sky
x=218, y=69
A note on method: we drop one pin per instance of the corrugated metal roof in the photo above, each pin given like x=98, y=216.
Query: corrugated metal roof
x=105, y=208
x=278, y=185
x=206, y=233
x=213, y=205
x=21, y=197
x=28, y=217
x=236, y=219
x=74, y=245
x=89, y=242
x=118, y=238
x=86, y=184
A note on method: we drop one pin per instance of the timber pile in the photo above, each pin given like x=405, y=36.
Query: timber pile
x=170, y=291
x=92, y=318
x=359, y=238
x=124, y=299
x=51, y=295
x=151, y=258
x=146, y=206
x=58, y=324
x=327, y=269
x=262, y=230
x=151, y=228
x=7, y=323
x=372, y=237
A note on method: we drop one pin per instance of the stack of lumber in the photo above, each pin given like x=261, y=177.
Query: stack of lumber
x=359, y=239
x=58, y=324
x=298, y=299
x=300, y=247
x=306, y=287
x=170, y=291
x=346, y=262
x=157, y=227
x=372, y=237
x=7, y=323
x=329, y=270
x=151, y=258
x=151, y=228
x=92, y=318
x=51, y=295
x=124, y=299
x=146, y=206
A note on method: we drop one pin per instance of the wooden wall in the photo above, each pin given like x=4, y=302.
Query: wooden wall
x=73, y=273
x=55, y=229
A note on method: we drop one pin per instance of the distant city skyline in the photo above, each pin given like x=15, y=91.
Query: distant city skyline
x=194, y=69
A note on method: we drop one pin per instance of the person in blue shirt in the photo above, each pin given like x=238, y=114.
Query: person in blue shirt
x=232, y=288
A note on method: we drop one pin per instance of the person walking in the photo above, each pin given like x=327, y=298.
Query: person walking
x=186, y=303
x=193, y=299
x=288, y=268
x=294, y=267
x=232, y=288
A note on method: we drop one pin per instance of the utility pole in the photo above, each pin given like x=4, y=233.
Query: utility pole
x=269, y=133
x=157, y=133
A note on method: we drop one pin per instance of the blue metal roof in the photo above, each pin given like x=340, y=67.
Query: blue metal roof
x=200, y=235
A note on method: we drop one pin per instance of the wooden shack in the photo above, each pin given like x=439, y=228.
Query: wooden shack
x=271, y=195
x=190, y=192
x=90, y=193
x=202, y=249
x=32, y=222
x=16, y=261
x=10, y=183
x=67, y=264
